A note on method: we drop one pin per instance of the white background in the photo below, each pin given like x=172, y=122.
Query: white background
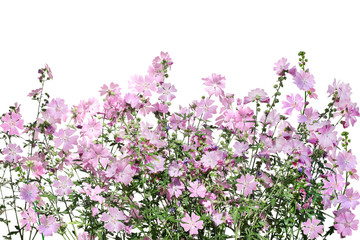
x=89, y=43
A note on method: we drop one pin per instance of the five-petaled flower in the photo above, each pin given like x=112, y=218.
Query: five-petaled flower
x=12, y=122
x=192, y=223
x=113, y=219
x=312, y=226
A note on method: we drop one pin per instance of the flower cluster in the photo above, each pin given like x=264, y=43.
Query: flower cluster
x=130, y=167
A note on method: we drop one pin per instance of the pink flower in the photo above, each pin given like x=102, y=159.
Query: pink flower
x=351, y=113
x=192, y=224
x=49, y=72
x=48, y=225
x=327, y=136
x=97, y=153
x=240, y=148
x=257, y=94
x=345, y=223
x=309, y=116
x=281, y=66
x=92, y=128
x=211, y=159
x=312, y=227
x=304, y=80
x=28, y=218
x=12, y=153
x=12, y=122
x=112, y=90
x=63, y=186
x=205, y=108
x=175, y=188
x=197, y=190
x=29, y=192
x=157, y=164
x=34, y=93
x=132, y=99
x=66, y=138
x=215, y=83
x=113, y=219
x=93, y=193
x=166, y=90
x=334, y=182
x=346, y=161
x=246, y=184
x=175, y=170
x=57, y=109
x=85, y=236
x=144, y=85
x=217, y=218
x=349, y=200
x=293, y=103
x=124, y=173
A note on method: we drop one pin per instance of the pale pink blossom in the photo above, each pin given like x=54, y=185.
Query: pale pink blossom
x=29, y=192
x=215, y=84
x=257, y=94
x=192, y=223
x=48, y=225
x=304, y=80
x=312, y=226
x=113, y=219
x=196, y=189
x=345, y=223
x=293, y=103
x=12, y=122
x=246, y=184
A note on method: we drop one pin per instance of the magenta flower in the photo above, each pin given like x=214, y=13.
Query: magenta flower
x=12, y=122
x=345, y=223
x=246, y=183
x=197, y=190
x=192, y=224
x=215, y=83
x=257, y=94
x=28, y=219
x=113, y=219
x=63, y=186
x=312, y=227
x=48, y=225
x=29, y=192
x=304, y=80
x=12, y=153
x=350, y=199
x=293, y=103
x=166, y=90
